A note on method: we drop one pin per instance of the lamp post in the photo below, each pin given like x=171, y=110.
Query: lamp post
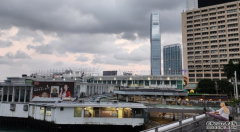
x=235, y=73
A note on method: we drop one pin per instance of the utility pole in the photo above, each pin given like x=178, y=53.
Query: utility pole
x=236, y=85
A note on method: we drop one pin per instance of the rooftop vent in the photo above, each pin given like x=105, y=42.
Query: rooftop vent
x=114, y=101
x=81, y=101
x=24, y=75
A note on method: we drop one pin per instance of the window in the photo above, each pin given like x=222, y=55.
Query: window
x=33, y=110
x=212, y=9
x=221, y=7
x=221, y=12
x=215, y=75
x=48, y=111
x=191, y=80
x=191, y=75
x=61, y=108
x=207, y=75
x=204, y=10
x=41, y=110
x=231, y=11
x=78, y=112
x=199, y=75
x=220, y=17
x=196, y=20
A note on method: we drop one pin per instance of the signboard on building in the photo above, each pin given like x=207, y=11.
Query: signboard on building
x=109, y=73
x=28, y=81
x=185, y=82
x=53, y=89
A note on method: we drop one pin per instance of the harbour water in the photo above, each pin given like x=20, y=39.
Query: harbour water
x=11, y=129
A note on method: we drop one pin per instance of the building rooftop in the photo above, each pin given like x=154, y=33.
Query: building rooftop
x=92, y=104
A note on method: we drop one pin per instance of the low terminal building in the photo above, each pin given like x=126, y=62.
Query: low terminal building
x=140, y=81
x=23, y=89
x=157, y=95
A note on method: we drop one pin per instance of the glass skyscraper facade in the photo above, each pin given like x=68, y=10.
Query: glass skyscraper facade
x=155, y=44
x=172, y=59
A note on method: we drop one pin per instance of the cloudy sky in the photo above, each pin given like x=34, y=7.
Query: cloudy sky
x=101, y=34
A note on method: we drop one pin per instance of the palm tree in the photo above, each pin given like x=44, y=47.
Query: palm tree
x=229, y=69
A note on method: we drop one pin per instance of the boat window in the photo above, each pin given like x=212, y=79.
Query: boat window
x=77, y=111
x=41, y=110
x=33, y=110
x=48, y=111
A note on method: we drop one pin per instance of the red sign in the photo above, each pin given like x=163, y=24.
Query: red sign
x=36, y=83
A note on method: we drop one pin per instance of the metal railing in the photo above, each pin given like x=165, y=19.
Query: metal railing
x=182, y=125
x=194, y=124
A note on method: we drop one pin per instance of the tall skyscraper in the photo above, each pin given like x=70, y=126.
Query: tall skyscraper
x=191, y=4
x=210, y=37
x=172, y=59
x=155, y=39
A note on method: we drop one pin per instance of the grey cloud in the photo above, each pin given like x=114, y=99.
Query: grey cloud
x=5, y=61
x=58, y=63
x=85, y=43
x=108, y=60
x=24, y=33
x=82, y=58
x=140, y=54
x=9, y=55
x=97, y=17
x=5, y=44
x=129, y=36
x=41, y=49
x=19, y=55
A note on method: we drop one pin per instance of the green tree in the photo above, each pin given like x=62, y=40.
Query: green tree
x=206, y=86
x=238, y=69
x=225, y=87
x=229, y=69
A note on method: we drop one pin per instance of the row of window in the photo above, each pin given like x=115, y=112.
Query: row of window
x=208, y=56
x=214, y=37
x=213, y=46
x=213, y=41
x=221, y=12
x=213, y=27
x=214, y=51
x=207, y=47
x=207, y=75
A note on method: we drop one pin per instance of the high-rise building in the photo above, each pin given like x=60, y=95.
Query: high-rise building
x=210, y=37
x=155, y=44
x=172, y=59
x=191, y=4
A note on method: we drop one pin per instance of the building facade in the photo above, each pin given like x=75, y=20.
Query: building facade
x=144, y=81
x=210, y=37
x=172, y=59
x=155, y=44
x=191, y=4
